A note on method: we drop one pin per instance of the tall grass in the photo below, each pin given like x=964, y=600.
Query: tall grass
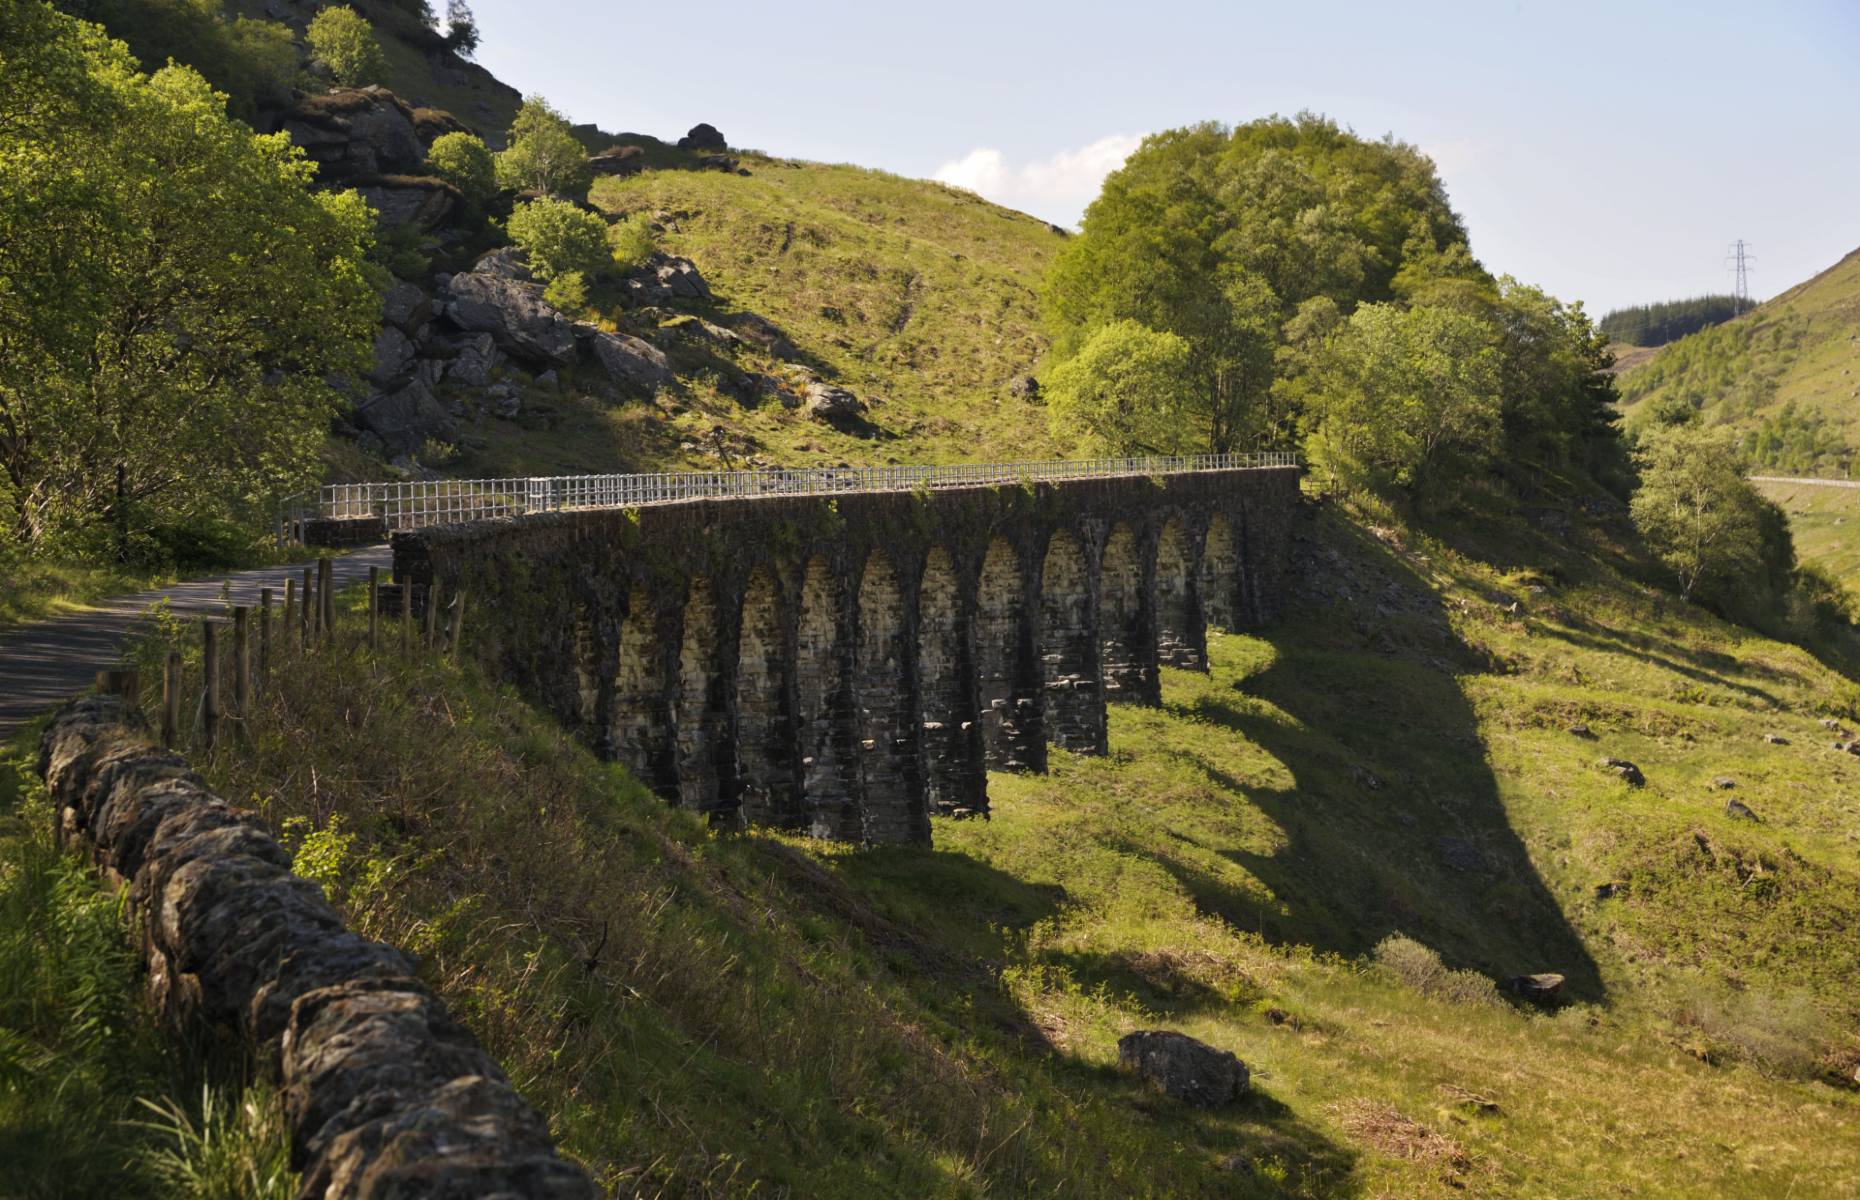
x=82, y=1060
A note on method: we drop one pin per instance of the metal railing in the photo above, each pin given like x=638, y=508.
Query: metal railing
x=413, y=504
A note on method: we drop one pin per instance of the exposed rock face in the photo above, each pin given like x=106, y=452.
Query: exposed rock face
x=393, y=356
x=385, y=1094
x=1182, y=1068
x=405, y=419
x=703, y=136
x=832, y=404
x=356, y=133
x=513, y=313
x=477, y=358
x=406, y=306
x=664, y=279
x=629, y=360
x=505, y=262
x=421, y=201
x=618, y=161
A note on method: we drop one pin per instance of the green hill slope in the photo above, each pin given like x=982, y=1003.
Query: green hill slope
x=1784, y=376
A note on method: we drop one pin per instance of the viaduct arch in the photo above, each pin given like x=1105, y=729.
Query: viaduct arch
x=849, y=665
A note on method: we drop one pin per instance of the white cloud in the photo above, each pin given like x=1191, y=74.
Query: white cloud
x=1056, y=188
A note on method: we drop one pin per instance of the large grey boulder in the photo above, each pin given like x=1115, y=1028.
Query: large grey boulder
x=834, y=405
x=515, y=314
x=703, y=136
x=1182, y=1068
x=630, y=361
x=506, y=262
x=405, y=419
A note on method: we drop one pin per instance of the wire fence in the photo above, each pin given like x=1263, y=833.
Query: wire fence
x=413, y=504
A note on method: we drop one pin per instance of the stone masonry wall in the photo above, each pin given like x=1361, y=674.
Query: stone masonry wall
x=856, y=662
x=385, y=1094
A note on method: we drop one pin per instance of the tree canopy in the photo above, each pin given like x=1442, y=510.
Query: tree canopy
x=543, y=155
x=157, y=365
x=343, y=41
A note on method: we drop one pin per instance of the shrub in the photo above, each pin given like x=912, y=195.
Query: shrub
x=631, y=241
x=559, y=238
x=464, y=162
x=568, y=291
x=343, y=40
x=1402, y=958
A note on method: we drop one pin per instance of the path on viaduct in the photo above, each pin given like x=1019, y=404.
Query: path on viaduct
x=846, y=665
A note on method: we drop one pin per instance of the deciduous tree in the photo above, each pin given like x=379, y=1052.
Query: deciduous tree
x=343, y=40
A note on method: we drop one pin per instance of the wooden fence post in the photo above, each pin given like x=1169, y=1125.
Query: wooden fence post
x=458, y=623
x=290, y=602
x=210, y=641
x=171, y=699
x=303, y=615
x=374, y=605
x=326, y=598
x=406, y=619
x=264, y=634
x=242, y=666
x=430, y=616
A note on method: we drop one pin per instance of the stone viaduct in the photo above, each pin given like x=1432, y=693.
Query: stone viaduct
x=848, y=665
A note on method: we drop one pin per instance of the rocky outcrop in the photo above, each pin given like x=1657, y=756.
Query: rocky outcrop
x=618, y=161
x=764, y=334
x=385, y=1093
x=356, y=133
x=418, y=200
x=514, y=313
x=703, y=136
x=1182, y=1068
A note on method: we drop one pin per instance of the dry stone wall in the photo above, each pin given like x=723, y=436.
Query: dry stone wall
x=385, y=1094
x=848, y=665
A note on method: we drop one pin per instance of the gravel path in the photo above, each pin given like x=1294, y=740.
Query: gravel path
x=42, y=663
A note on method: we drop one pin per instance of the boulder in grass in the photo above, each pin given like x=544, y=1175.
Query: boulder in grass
x=1629, y=773
x=1183, y=1068
x=1543, y=989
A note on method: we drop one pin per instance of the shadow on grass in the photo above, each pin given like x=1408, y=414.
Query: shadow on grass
x=1393, y=821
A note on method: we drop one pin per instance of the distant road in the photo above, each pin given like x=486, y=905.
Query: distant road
x=44, y=662
x=1846, y=483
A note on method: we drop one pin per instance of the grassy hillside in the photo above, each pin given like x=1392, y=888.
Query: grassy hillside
x=1319, y=856
x=1825, y=522
x=1784, y=376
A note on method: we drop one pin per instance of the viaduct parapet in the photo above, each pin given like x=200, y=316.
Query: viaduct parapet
x=846, y=666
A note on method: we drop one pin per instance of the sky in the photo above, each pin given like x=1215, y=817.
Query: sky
x=1608, y=152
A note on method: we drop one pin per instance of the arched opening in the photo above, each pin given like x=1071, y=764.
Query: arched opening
x=765, y=761
x=1180, y=639
x=701, y=714
x=1220, y=575
x=1128, y=646
x=1068, y=649
x=955, y=783
x=890, y=791
x=822, y=704
x=640, y=730
x=1009, y=705
x=585, y=650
